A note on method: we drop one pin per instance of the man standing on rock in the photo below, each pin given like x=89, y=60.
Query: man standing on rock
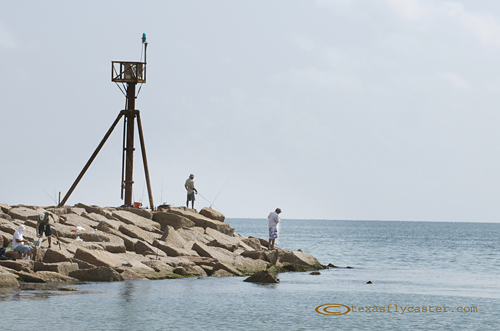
x=44, y=227
x=274, y=220
x=190, y=190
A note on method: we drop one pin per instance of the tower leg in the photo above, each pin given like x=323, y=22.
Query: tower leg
x=129, y=162
x=66, y=197
x=145, y=161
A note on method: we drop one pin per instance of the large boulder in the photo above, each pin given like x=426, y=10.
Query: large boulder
x=103, y=219
x=19, y=265
x=222, y=240
x=136, y=232
x=173, y=250
x=191, y=236
x=63, y=268
x=54, y=277
x=142, y=247
x=127, y=241
x=138, y=211
x=90, y=209
x=202, y=221
x=5, y=208
x=56, y=255
x=29, y=277
x=173, y=238
x=7, y=279
x=226, y=267
x=174, y=220
x=139, y=221
x=8, y=227
x=212, y=214
x=98, y=274
x=98, y=258
x=5, y=216
x=76, y=221
x=300, y=258
x=262, y=277
x=15, y=255
x=24, y=213
x=254, y=243
x=128, y=274
x=218, y=253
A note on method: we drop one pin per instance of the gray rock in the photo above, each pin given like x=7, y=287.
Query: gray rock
x=5, y=208
x=98, y=274
x=173, y=238
x=8, y=279
x=29, y=277
x=142, y=247
x=5, y=216
x=138, y=233
x=54, y=277
x=19, y=265
x=203, y=221
x=254, y=243
x=63, y=268
x=74, y=220
x=174, y=251
x=24, y=213
x=212, y=214
x=226, y=267
x=136, y=220
x=138, y=211
x=221, y=273
x=176, y=221
x=262, y=277
x=214, y=253
x=56, y=255
x=97, y=258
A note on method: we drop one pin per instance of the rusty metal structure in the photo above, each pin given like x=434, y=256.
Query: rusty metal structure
x=131, y=74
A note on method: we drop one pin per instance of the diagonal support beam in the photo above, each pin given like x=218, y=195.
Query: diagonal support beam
x=66, y=197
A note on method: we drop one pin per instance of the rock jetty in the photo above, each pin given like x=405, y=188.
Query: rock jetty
x=91, y=243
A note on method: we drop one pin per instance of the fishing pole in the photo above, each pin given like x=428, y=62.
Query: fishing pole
x=207, y=200
x=55, y=201
x=219, y=192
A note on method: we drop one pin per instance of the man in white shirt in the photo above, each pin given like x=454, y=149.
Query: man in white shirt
x=18, y=243
x=189, y=185
x=274, y=220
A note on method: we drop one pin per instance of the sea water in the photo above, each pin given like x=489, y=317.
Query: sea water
x=411, y=266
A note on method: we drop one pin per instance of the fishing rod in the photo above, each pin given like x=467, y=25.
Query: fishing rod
x=55, y=201
x=207, y=200
x=219, y=192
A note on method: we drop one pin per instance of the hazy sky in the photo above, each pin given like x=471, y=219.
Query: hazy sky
x=331, y=109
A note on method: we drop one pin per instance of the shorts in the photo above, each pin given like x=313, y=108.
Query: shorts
x=44, y=228
x=273, y=233
x=190, y=196
x=23, y=249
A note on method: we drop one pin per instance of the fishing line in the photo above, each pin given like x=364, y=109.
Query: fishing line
x=219, y=191
x=55, y=201
x=207, y=200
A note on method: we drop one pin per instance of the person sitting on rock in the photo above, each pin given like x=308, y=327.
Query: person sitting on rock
x=274, y=220
x=189, y=185
x=18, y=243
x=44, y=227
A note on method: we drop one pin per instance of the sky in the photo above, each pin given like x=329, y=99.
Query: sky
x=328, y=109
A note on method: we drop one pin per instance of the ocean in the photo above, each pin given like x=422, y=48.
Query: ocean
x=424, y=276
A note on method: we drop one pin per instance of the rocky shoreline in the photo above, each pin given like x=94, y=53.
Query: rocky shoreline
x=92, y=243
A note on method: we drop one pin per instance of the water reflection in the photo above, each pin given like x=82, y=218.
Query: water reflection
x=35, y=292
